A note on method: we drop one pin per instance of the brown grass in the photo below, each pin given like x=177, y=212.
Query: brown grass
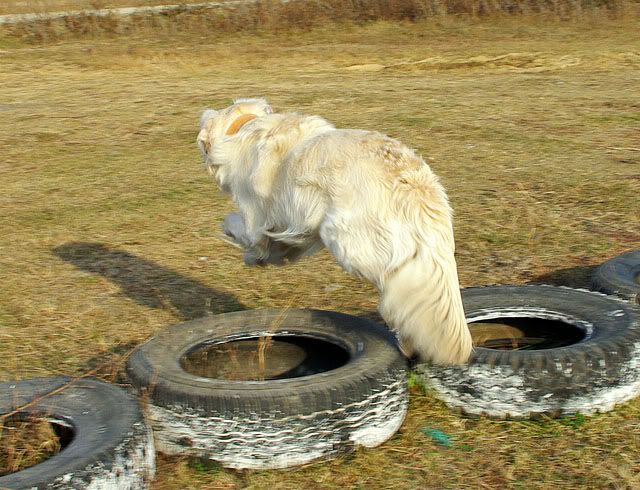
x=110, y=224
x=275, y=15
x=25, y=443
x=44, y=6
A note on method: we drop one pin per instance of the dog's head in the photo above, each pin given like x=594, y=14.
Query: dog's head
x=217, y=124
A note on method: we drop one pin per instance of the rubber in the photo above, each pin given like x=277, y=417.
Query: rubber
x=112, y=447
x=590, y=376
x=619, y=276
x=276, y=423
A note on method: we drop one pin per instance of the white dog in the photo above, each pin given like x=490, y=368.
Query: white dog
x=300, y=183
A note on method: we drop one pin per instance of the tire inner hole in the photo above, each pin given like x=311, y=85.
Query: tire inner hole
x=264, y=358
x=522, y=333
x=28, y=439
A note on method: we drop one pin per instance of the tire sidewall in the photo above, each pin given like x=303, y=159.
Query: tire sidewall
x=106, y=421
x=155, y=368
x=619, y=276
x=275, y=423
x=592, y=375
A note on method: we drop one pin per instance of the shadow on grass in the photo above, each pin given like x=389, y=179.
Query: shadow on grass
x=372, y=315
x=146, y=282
x=574, y=277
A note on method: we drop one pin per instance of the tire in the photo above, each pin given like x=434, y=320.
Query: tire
x=111, y=448
x=620, y=276
x=280, y=422
x=592, y=375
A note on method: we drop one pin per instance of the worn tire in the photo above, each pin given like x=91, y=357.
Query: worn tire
x=111, y=447
x=620, y=276
x=590, y=376
x=275, y=423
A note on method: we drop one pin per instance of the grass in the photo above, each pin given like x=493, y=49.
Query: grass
x=281, y=16
x=110, y=225
x=42, y=6
x=25, y=443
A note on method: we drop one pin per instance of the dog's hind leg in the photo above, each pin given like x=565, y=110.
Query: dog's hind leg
x=281, y=251
x=268, y=250
x=356, y=246
x=418, y=283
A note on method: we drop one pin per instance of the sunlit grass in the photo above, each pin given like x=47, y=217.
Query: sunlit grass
x=109, y=223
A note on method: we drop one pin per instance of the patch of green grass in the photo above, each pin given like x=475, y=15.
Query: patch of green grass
x=416, y=382
x=576, y=421
x=202, y=465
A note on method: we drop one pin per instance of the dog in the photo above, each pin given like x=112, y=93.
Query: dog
x=302, y=184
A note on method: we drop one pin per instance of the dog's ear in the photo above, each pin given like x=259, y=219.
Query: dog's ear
x=206, y=115
x=203, y=142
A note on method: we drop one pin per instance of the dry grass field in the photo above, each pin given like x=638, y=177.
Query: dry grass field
x=42, y=6
x=110, y=224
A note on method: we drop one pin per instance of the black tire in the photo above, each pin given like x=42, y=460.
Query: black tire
x=592, y=375
x=620, y=276
x=111, y=446
x=276, y=423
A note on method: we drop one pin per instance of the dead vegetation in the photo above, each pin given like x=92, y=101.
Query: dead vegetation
x=110, y=225
x=47, y=6
x=25, y=443
x=276, y=15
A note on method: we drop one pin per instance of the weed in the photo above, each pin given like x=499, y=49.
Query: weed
x=25, y=443
x=203, y=465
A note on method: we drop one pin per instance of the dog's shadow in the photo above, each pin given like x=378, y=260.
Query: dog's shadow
x=147, y=282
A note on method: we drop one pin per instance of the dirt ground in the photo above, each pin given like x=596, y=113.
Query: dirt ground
x=110, y=224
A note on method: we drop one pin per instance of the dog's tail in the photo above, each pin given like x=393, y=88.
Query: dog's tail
x=420, y=298
x=421, y=301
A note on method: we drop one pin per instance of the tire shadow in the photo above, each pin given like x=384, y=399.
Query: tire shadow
x=573, y=277
x=146, y=282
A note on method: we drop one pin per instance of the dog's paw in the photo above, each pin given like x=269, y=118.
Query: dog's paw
x=251, y=260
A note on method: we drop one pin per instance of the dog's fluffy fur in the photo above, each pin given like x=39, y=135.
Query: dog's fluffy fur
x=300, y=183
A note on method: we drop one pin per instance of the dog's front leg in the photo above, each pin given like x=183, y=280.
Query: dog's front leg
x=257, y=246
x=234, y=227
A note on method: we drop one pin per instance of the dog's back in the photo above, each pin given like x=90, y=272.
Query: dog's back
x=387, y=218
x=373, y=202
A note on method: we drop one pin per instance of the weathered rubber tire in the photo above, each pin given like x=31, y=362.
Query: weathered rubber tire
x=275, y=423
x=112, y=447
x=620, y=276
x=591, y=376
